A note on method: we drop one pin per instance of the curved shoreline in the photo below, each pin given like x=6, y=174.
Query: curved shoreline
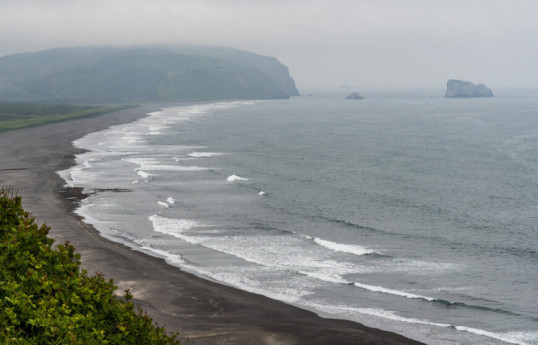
x=202, y=310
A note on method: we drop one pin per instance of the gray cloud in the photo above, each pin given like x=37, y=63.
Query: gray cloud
x=367, y=44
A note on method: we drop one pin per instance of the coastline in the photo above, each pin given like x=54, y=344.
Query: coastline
x=204, y=311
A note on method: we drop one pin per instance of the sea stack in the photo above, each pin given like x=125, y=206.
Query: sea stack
x=459, y=88
x=355, y=95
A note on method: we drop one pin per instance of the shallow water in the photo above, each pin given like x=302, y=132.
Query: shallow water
x=416, y=215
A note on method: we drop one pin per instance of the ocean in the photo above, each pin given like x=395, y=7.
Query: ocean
x=417, y=215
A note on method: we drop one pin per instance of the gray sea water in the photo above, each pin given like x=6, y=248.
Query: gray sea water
x=417, y=215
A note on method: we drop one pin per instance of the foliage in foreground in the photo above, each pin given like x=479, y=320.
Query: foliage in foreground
x=19, y=115
x=45, y=298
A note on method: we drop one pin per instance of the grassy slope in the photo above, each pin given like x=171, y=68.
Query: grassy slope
x=19, y=115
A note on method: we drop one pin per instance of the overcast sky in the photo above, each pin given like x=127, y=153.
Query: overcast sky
x=367, y=44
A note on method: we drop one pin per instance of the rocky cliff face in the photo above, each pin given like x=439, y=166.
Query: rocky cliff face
x=269, y=65
x=460, y=88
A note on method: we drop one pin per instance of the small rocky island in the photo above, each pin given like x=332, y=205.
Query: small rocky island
x=459, y=88
x=355, y=95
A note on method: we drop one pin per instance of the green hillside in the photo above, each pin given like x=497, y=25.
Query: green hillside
x=141, y=74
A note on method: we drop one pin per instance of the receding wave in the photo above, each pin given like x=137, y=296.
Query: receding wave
x=203, y=154
x=174, y=227
x=161, y=167
x=239, y=246
x=324, y=276
x=519, y=338
x=375, y=288
x=143, y=174
x=443, y=302
x=172, y=259
x=344, y=248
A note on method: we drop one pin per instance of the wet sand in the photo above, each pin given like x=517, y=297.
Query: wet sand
x=201, y=310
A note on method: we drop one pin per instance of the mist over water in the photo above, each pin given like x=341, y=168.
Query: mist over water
x=416, y=215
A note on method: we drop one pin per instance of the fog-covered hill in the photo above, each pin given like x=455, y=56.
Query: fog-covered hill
x=142, y=74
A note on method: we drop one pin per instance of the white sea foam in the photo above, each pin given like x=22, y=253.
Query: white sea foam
x=141, y=160
x=67, y=176
x=414, y=267
x=172, y=259
x=84, y=211
x=245, y=280
x=171, y=200
x=282, y=293
x=345, y=248
x=163, y=204
x=87, y=164
x=156, y=129
x=268, y=253
x=270, y=250
x=374, y=288
x=204, y=154
x=387, y=314
x=161, y=167
x=325, y=276
x=375, y=312
x=174, y=227
x=78, y=174
x=233, y=178
x=154, y=164
x=80, y=177
x=519, y=338
x=143, y=174
x=127, y=140
x=132, y=138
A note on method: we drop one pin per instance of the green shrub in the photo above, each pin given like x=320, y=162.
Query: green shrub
x=45, y=298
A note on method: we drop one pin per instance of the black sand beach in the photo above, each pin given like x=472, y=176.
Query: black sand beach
x=204, y=311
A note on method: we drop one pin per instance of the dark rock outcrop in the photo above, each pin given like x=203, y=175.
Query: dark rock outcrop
x=459, y=88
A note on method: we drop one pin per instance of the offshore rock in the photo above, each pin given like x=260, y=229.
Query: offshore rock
x=355, y=95
x=459, y=88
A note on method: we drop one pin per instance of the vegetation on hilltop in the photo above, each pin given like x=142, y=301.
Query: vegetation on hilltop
x=45, y=298
x=95, y=75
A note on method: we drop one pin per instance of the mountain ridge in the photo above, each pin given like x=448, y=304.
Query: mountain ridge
x=104, y=74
